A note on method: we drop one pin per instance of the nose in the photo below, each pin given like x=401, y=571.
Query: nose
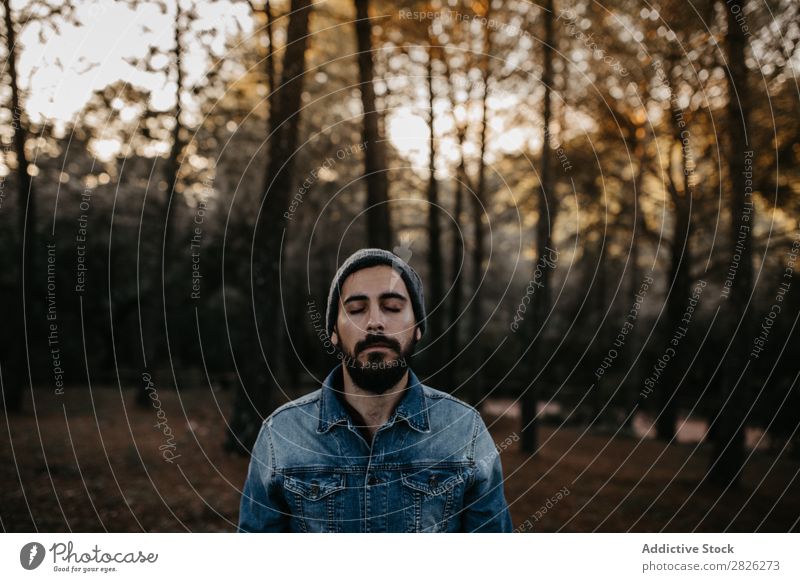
x=375, y=323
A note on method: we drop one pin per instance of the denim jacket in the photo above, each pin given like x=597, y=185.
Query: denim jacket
x=433, y=467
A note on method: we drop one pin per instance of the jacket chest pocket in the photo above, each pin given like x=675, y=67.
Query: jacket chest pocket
x=315, y=500
x=431, y=497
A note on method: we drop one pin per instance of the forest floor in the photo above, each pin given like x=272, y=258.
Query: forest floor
x=89, y=461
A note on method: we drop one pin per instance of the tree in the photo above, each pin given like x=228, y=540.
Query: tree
x=457, y=255
x=254, y=396
x=16, y=368
x=379, y=226
x=435, y=274
x=12, y=390
x=727, y=457
x=681, y=194
x=156, y=304
x=479, y=197
x=547, y=212
x=160, y=257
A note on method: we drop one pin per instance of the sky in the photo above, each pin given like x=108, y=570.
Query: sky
x=60, y=74
x=73, y=62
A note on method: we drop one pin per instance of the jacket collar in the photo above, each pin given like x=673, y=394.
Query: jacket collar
x=412, y=406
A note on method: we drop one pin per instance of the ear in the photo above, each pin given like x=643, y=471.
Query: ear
x=417, y=333
x=334, y=337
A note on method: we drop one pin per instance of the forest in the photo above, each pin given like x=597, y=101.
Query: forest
x=601, y=199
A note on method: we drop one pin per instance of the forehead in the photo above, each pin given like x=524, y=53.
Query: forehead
x=373, y=281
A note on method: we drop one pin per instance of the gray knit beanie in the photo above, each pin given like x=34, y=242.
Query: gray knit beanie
x=369, y=258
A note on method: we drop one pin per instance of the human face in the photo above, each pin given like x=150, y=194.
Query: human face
x=375, y=302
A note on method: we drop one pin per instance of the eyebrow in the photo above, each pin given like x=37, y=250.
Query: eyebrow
x=382, y=296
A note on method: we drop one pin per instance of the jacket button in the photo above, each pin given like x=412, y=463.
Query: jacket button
x=314, y=488
x=432, y=481
x=372, y=480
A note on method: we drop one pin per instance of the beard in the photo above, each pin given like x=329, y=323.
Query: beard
x=377, y=375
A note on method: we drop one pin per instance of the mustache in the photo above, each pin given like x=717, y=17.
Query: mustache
x=378, y=340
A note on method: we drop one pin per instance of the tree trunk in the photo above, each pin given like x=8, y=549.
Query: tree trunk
x=678, y=286
x=631, y=387
x=479, y=196
x=546, y=220
x=457, y=236
x=174, y=160
x=457, y=292
x=379, y=234
x=477, y=386
x=727, y=457
x=678, y=283
x=595, y=399
x=269, y=61
x=435, y=274
x=156, y=304
x=254, y=398
x=15, y=370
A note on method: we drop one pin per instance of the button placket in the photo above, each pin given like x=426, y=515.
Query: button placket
x=370, y=479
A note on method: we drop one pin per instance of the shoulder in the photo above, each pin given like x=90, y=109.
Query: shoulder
x=299, y=406
x=447, y=400
x=448, y=411
x=457, y=422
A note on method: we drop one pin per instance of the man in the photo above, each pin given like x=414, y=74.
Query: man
x=374, y=450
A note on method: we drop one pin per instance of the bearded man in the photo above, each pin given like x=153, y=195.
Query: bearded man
x=374, y=449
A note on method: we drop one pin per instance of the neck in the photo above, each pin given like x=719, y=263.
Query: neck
x=375, y=409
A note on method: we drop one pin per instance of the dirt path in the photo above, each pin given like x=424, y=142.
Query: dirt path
x=68, y=468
